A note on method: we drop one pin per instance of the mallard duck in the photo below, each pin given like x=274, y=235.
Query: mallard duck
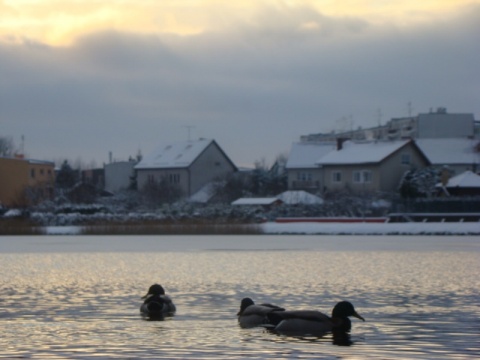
x=251, y=315
x=156, y=304
x=313, y=322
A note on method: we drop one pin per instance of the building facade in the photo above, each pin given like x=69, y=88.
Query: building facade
x=188, y=165
x=25, y=182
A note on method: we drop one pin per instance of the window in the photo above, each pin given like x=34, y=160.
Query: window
x=337, y=176
x=150, y=178
x=405, y=159
x=174, y=178
x=303, y=176
x=32, y=173
x=362, y=176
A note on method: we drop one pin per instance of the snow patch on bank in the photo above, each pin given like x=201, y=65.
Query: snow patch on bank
x=307, y=228
x=413, y=228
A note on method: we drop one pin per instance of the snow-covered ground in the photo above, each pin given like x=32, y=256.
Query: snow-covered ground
x=413, y=228
x=309, y=228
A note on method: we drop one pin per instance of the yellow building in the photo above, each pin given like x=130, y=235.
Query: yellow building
x=25, y=182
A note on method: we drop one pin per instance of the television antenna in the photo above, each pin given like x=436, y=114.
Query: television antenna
x=410, y=109
x=189, y=129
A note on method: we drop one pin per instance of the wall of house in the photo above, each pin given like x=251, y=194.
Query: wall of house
x=179, y=177
x=443, y=125
x=118, y=175
x=13, y=180
x=392, y=169
x=41, y=181
x=19, y=175
x=385, y=176
x=347, y=182
x=210, y=165
x=308, y=179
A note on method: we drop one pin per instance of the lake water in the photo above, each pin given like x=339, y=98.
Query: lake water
x=78, y=297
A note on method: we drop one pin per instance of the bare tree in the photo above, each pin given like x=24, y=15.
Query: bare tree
x=6, y=146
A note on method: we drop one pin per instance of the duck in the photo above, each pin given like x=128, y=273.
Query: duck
x=156, y=303
x=252, y=315
x=313, y=322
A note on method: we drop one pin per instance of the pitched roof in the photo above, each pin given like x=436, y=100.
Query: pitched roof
x=466, y=179
x=299, y=197
x=174, y=155
x=362, y=153
x=305, y=155
x=450, y=151
x=256, y=201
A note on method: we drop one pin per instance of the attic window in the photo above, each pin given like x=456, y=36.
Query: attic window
x=405, y=160
x=189, y=146
x=168, y=147
x=178, y=156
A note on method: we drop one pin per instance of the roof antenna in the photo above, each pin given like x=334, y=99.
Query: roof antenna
x=189, y=128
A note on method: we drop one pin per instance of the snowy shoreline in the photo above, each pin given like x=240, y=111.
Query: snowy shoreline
x=308, y=228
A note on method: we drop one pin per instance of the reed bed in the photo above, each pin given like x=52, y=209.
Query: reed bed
x=20, y=227
x=173, y=228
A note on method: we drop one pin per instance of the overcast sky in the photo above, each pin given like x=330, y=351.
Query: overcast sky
x=79, y=79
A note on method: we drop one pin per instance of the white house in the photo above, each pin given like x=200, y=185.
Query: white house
x=302, y=169
x=190, y=165
x=459, y=154
x=370, y=166
x=119, y=175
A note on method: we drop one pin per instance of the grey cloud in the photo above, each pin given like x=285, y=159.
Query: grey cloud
x=255, y=90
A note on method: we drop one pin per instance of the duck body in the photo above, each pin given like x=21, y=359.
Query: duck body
x=300, y=321
x=252, y=315
x=157, y=304
x=313, y=322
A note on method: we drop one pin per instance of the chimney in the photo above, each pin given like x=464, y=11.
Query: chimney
x=340, y=142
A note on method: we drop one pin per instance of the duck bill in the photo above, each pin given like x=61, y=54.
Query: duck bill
x=145, y=296
x=355, y=314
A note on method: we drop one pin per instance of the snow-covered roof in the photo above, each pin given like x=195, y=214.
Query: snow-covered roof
x=174, y=155
x=305, y=155
x=299, y=197
x=466, y=179
x=203, y=195
x=255, y=201
x=450, y=151
x=361, y=153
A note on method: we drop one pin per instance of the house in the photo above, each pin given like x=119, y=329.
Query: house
x=458, y=154
x=25, y=182
x=464, y=184
x=189, y=165
x=370, y=166
x=94, y=177
x=303, y=172
x=119, y=175
x=434, y=124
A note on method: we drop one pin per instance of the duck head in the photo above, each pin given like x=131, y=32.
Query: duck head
x=344, y=309
x=246, y=302
x=155, y=289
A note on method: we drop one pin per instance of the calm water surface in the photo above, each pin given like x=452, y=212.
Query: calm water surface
x=71, y=297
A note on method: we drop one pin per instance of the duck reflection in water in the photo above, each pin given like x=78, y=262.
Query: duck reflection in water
x=157, y=305
x=315, y=323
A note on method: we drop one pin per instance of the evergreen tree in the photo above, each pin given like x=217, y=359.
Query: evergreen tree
x=66, y=177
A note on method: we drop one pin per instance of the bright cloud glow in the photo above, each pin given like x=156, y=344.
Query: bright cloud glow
x=59, y=22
